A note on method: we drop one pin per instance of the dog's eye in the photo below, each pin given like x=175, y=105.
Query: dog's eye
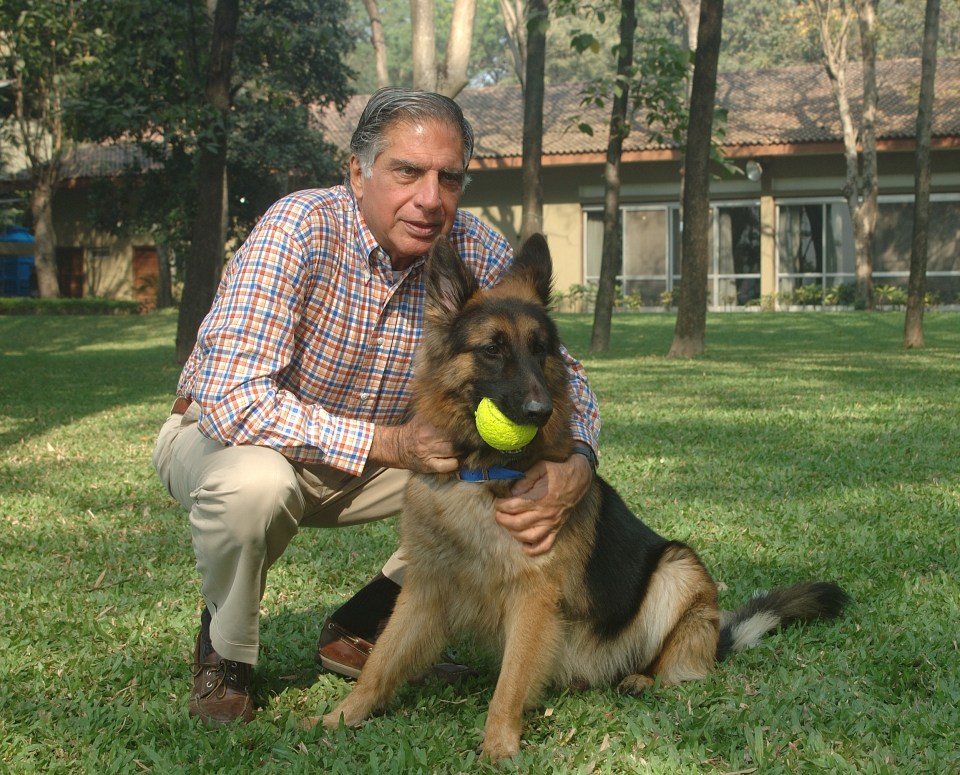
x=491, y=351
x=538, y=348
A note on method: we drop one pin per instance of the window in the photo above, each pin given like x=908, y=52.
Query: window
x=645, y=255
x=651, y=260
x=814, y=245
x=737, y=273
x=894, y=237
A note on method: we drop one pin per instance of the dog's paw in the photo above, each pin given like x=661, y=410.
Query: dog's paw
x=332, y=719
x=340, y=714
x=497, y=746
x=635, y=684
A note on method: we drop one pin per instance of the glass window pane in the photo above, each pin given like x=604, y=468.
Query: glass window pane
x=840, y=255
x=739, y=240
x=800, y=239
x=675, y=244
x=645, y=243
x=943, y=238
x=593, y=244
x=893, y=237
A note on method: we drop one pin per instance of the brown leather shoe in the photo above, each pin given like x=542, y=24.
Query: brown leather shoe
x=344, y=653
x=221, y=687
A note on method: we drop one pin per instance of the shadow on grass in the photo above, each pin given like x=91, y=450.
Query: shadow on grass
x=57, y=371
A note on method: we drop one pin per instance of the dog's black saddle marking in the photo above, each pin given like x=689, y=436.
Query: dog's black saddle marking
x=625, y=556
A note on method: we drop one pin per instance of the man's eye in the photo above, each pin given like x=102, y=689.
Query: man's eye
x=451, y=181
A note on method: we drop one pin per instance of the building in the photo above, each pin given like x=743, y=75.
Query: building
x=91, y=262
x=779, y=227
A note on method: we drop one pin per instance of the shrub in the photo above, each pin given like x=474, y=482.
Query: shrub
x=24, y=305
x=808, y=295
x=891, y=295
x=843, y=294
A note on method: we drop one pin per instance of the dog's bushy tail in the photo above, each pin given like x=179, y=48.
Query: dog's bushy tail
x=767, y=611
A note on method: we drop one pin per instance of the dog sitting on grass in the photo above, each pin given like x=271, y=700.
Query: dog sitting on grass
x=612, y=603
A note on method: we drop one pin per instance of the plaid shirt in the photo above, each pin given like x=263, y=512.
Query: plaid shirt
x=311, y=338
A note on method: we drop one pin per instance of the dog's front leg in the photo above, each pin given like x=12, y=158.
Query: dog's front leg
x=531, y=633
x=413, y=637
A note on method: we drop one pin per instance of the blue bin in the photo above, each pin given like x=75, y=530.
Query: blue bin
x=16, y=272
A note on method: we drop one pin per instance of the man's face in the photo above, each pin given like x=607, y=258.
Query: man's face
x=414, y=190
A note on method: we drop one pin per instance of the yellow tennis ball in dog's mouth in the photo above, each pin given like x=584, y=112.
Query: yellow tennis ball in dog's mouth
x=499, y=431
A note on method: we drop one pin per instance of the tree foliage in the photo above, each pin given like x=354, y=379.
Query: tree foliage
x=290, y=56
x=156, y=88
x=46, y=47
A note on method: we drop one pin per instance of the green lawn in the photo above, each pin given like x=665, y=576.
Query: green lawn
x=800, y=446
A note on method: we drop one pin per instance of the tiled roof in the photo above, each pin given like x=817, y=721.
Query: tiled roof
x=90, y=160
x=94, y=161
x=789, y=107
x=786, y=106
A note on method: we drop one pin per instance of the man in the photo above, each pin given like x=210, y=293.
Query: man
x=292, y=409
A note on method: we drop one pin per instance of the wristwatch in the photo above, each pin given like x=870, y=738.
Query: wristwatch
x=588, y=453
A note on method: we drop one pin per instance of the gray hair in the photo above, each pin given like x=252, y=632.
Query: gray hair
x=391, y=105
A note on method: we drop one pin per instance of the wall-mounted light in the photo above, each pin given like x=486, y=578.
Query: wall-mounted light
x=753, y=170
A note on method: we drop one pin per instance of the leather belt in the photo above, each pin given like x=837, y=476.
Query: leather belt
x=181, y=405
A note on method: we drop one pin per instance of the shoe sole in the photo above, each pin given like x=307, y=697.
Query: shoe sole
x=339, y=668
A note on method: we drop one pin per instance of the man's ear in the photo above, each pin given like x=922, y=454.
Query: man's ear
x=356, y=176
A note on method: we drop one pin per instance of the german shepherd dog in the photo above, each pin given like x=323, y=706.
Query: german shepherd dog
x=612, y=603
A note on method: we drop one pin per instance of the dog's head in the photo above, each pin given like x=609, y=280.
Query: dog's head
x=498, y=343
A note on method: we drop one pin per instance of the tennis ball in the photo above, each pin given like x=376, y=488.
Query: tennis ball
x=499, y=431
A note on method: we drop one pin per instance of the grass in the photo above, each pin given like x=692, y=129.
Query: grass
x=799, y=446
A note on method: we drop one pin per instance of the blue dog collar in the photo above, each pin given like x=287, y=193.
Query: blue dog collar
x=489, y=474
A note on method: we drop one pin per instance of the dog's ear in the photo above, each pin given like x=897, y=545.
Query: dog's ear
x=534, y=260
x=449, y=283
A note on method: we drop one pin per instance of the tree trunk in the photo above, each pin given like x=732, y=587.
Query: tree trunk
x=690, y=332
x=867, y=211
x=856, y=190
x=611, y=258
x=164, y=283
x=532, y=182
x=917, y=287
x=454, y=77
x=205, y=261
x=689, y=11
x=513, y=16
x=45, y=239
x=378, y=41
x=423, y=52
x=427, y=76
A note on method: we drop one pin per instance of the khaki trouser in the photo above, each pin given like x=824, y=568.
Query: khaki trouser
x=245, y=505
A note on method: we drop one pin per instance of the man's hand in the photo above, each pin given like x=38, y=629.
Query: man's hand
x=538, y=506
x=415, y=446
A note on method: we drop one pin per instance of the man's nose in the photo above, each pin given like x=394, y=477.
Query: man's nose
x=428, y=191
